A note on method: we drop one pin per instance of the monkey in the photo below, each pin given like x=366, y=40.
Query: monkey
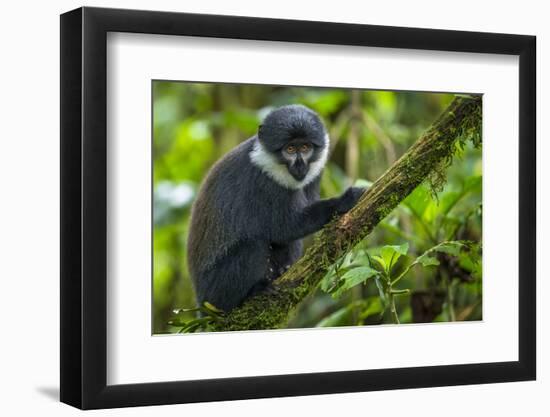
x=255, y=206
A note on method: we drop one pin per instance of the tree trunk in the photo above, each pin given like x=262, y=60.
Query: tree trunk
x=427, y=159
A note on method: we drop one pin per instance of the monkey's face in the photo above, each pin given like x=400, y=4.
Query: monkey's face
x=297, y=155
x=292, y=146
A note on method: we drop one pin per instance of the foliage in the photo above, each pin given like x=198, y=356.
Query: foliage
x=208, y=315
x=359, y=268
x=421, y=264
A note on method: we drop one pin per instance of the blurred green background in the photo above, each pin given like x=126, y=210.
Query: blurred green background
x=196, y=123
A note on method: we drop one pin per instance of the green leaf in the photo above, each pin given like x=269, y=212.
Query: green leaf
x=451, y=198
x=473, y=184
x=185, y=310
x=448, y=200
x=345, y=316
x=338, y=318
x=355, y=277
x=451, y=247
x=332, y=278
x=358, y=275
x=212, y=307
x=328, y=280
x=381, y=291
x=418, y=200
x=391, y=253
x=380, y=262
x=192, y=328
x=346, y=261
x=374, y=307
x=427, y=260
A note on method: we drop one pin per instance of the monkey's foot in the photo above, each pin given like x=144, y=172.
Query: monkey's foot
x=263, y=287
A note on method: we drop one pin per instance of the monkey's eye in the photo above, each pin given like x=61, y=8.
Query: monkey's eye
x=291, y=149
x=304, y=148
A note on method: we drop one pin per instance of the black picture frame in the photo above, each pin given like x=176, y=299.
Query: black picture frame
x=84, y=207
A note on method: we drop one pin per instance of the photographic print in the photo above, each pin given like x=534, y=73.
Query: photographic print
x=280, y=207
x=356, y=206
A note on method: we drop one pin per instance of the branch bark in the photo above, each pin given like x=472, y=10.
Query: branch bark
x=425, y=160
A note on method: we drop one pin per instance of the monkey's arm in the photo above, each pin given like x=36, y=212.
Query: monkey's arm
x=314, y=216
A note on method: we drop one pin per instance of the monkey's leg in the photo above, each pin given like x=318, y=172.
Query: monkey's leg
x=282, y=257
x=233, y=277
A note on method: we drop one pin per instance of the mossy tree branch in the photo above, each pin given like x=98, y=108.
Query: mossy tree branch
x=427, y=159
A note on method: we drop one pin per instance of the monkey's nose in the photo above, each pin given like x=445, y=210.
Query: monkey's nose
x=299, y=170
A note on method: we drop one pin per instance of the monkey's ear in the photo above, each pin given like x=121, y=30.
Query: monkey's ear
x=260, y=130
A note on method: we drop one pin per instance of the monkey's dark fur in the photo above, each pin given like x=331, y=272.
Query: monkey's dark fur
x=251, y=212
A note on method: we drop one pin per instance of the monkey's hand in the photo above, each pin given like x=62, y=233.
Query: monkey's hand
x=262, y=287
x=349, y=199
